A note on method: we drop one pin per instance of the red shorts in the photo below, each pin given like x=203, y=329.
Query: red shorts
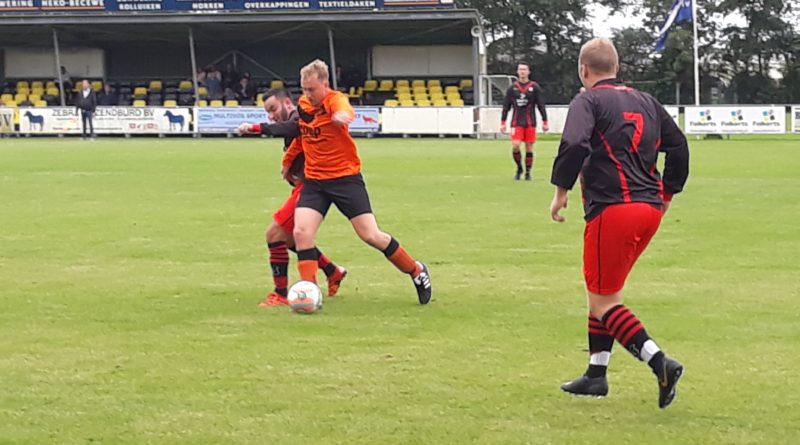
x=527, y=134
x=284, y=216
x=613, y=241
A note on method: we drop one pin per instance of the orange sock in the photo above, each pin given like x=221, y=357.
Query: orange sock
x=400, y=258
x=308, y=270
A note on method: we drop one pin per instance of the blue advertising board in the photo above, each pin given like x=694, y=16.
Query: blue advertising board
x=219, y=120
x=38, y=6
x=227, y=120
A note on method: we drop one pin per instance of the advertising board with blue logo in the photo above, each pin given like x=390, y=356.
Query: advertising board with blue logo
x=107, y=120
x=367, y=120
x=735, y=119
x=219, y=120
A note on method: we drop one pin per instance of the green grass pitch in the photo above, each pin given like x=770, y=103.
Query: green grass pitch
x=130, y=270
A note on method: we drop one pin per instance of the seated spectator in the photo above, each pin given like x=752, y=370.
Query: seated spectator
x=229, y=77
x=245, y=90
x=108, y=97
x=65, y=79
x=214, y=82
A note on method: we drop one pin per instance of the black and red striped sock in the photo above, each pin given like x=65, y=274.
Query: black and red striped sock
x=600, y=343
x=517, y=159
x=279, y=263
x=528, y=162
x=629, y=331
x=325, y=264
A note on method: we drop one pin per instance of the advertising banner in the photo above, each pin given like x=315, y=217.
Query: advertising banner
x=367, y=120
x=6, y=120
x=796, y=119
x=107, y=120
x=33, y=6
x=220, y=120
x=674, y=113
x=735, y=119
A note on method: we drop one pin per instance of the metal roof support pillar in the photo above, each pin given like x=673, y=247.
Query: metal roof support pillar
x=58, y=67
x=194, y=67
x=333, y=58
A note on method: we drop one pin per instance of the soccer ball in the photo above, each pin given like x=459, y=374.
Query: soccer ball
x=305, y=297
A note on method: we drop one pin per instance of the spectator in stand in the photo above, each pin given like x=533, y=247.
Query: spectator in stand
x=109, y=97
x=245, y=90
x=65, y=79
x=214, y=82
x=230, y=77
x=201, y=77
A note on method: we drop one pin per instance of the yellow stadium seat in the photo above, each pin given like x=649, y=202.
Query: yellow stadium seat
x=53, y=91
x=37, y=84
x=33, y=98
x=406, y=103
x=465, y=83
x=38, y=91
x=139, y=103
x=370, y=85
x=276, y=84
x=202, y=91
x=97, y=86
x=50, y=84
x=10, y=103
x=423, y=103
x=419, y=97
x=390, y=103
x=20, y=97
x=453, y=96
x=23, y=84
x=155, y=85
x=451, y=89
x=231, y=103
x=457, y=103
x=140, y=91
x=185, y=85
x=435, y=89
x=216, y=103
x=420, y=89
x=417, y=83
x=437, y=96
x=439, y=103
x=434, y=83
x=202, y=103
x=386, y=85
x=40, y=104
x=170, y=103
x=402, y=97
x=402, y=84
x=6, y=97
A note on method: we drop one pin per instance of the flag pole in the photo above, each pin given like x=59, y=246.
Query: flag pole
x=696, y=58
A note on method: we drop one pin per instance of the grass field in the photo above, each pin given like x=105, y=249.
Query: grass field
x=130, y=272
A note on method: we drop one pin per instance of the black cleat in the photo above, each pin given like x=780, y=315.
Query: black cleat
x=528, y=177
x=518, y=175
x=423, y=284
x=586, y=386
x=668, y=378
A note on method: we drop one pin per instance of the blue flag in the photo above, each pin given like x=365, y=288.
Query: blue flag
x=681, y=11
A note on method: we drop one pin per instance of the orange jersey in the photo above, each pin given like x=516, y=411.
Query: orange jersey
x=330, y=150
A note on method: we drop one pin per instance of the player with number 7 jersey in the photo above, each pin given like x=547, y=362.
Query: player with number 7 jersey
x=611, y=140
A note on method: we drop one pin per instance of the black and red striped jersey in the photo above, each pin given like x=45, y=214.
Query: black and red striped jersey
x=611, y=139
x=288, y=130
x=523, y=97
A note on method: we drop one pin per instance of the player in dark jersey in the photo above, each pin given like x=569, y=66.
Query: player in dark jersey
x=522, y=96
x=611, y=140
x=284, y=115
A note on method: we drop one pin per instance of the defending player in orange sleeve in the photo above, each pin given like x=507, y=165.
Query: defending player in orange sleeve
x=333, y=176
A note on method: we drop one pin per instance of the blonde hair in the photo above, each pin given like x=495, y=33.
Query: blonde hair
x=600, y=56
x=317, y=68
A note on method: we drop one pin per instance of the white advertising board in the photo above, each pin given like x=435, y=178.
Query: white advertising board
x=735, y=120
x=796, y=119
x=107, y=120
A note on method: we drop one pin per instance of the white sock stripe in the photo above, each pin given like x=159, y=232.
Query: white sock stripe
x=649, y=349
x=600, y=358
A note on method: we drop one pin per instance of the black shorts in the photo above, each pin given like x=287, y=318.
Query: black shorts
x=349, y=193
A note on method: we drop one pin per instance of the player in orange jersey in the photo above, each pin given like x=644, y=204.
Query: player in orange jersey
x=283, y=114
x=333, y=176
